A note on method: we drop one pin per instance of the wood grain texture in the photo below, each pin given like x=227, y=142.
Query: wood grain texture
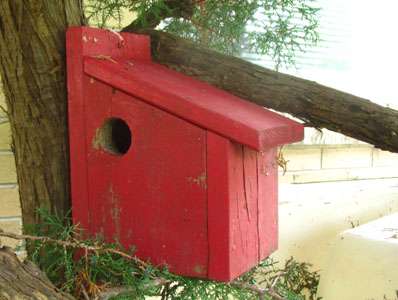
x=197, y=102
x=242, y=173
x=315, y=104
x=267, y=175
x=242, y=207
x=25, y=281
x=32, y=61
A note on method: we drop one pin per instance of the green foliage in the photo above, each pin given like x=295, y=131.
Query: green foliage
x=277, y=28
x=101, y=12
x=76, y=262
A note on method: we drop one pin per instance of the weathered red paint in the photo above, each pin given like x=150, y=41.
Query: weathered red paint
x=197, y=188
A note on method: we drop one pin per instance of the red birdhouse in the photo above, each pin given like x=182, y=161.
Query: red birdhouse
x=184, y=171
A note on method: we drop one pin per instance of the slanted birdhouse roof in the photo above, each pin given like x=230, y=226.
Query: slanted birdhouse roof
x=190, y=99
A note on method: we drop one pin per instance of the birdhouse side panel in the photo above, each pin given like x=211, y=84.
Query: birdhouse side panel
x=267, y=163
x=233, y=208
x=243, y=195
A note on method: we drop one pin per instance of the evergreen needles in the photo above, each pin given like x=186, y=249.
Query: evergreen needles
x=92, y=268
x=279, y=29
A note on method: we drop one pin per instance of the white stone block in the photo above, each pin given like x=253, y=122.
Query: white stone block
x=362, y=263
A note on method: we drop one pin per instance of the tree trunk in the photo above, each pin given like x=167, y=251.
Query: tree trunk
x=25, y=281
x=317, y=105
x=32, y=68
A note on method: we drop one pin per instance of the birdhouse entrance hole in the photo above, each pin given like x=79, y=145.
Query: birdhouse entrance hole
x=115, y=136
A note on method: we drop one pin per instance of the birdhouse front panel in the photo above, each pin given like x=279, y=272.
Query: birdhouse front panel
x=182, y=171
x=146, y=179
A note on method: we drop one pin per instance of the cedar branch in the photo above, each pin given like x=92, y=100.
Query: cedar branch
x=122, y=290
x=75, y=244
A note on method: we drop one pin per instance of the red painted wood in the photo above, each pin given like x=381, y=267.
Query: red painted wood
x=130, y=46
x=197, y=102
x=218, y=207
x=98, y=105
x=154, y=196
x=267, y=202
x=186, y=193
x=80, y=42
x=235, y=204
x=243, y=209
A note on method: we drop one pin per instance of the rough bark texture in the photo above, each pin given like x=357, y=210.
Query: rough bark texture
x=32, y=68
x=317, y=105
x=25, y=281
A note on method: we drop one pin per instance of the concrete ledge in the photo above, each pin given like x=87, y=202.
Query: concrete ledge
x=338, y=175
x=362, y=263
x=312, y=215
x=324, y=162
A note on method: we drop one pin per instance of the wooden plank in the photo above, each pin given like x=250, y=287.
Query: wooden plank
x=267, y=202
x=197, y=102
x=131, y=45
x=77, y=45
x=74, y=54
x=232, y=208
x=243, y=209
x=218, y=207
x=98, y=107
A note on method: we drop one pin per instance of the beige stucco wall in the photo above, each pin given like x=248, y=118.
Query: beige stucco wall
x=10, y=212
x=337, y=162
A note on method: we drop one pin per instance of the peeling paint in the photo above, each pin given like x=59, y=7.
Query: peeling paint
x=199, y=269
x=96, y=140
x=200, y=180
x=115, y=209
x=92, y=80
x=84, y=38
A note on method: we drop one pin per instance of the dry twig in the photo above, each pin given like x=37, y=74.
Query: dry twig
x=104, y=57
x=75, y=244
x=260, y=291
x=282, y=162
x=106, y=293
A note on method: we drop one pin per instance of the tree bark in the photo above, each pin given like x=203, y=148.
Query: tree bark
x=25, y=281
x=317, y=105
x=32, y=69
